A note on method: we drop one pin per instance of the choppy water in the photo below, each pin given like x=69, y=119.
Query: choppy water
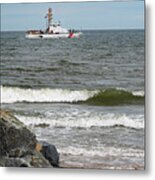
x=84, y=95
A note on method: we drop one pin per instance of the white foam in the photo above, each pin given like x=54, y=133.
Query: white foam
x=138, y=93
x=135, y=93
x=14, y=94
x=102, y=152
x=86, y=120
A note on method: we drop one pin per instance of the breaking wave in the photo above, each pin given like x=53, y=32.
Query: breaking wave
x=103, y=151
x=111, y=96
x=86, y=120
x=15, y=94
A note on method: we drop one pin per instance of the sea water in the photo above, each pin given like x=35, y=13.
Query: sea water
x=85, y=95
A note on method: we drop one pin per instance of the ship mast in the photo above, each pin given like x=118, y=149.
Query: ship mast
x=49, y=16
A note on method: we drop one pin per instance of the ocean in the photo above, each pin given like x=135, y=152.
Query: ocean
x=86, y=96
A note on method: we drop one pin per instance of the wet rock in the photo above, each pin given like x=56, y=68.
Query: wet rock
x=18, y=144
x=49, y=151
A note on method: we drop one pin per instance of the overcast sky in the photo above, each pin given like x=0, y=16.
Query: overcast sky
x=80, y=15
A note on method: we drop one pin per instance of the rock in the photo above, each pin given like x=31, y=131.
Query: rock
x=35, y=160
x=18, y=144
x=14, y=135
x=13, y=162
x=49, y=151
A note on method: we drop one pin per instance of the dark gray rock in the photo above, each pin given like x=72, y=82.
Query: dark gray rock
x=14, y=135
x=18, y=144
x=35, y=160
x=13, y=162
x=49, y=151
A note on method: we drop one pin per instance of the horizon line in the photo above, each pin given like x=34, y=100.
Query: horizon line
x=82, y=29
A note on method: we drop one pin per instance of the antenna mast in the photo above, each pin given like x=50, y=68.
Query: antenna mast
x=49, y=16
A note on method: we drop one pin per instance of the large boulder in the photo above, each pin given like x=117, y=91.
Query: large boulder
x=18, y=144
x=16, y=139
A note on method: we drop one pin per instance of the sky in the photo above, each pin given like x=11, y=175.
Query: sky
x=77, y=15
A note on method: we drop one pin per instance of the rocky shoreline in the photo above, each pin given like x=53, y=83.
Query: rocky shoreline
x=20, y=148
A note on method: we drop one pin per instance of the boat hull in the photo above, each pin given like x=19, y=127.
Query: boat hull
x=52, y=36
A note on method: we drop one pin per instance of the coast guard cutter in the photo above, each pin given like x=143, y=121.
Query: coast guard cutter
x=53, y=30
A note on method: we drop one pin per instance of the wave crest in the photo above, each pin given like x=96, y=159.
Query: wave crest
x=104, y=97
x=15, y=94
x=111, y=97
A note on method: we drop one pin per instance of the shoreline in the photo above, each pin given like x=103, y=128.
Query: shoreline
x=66, y=163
